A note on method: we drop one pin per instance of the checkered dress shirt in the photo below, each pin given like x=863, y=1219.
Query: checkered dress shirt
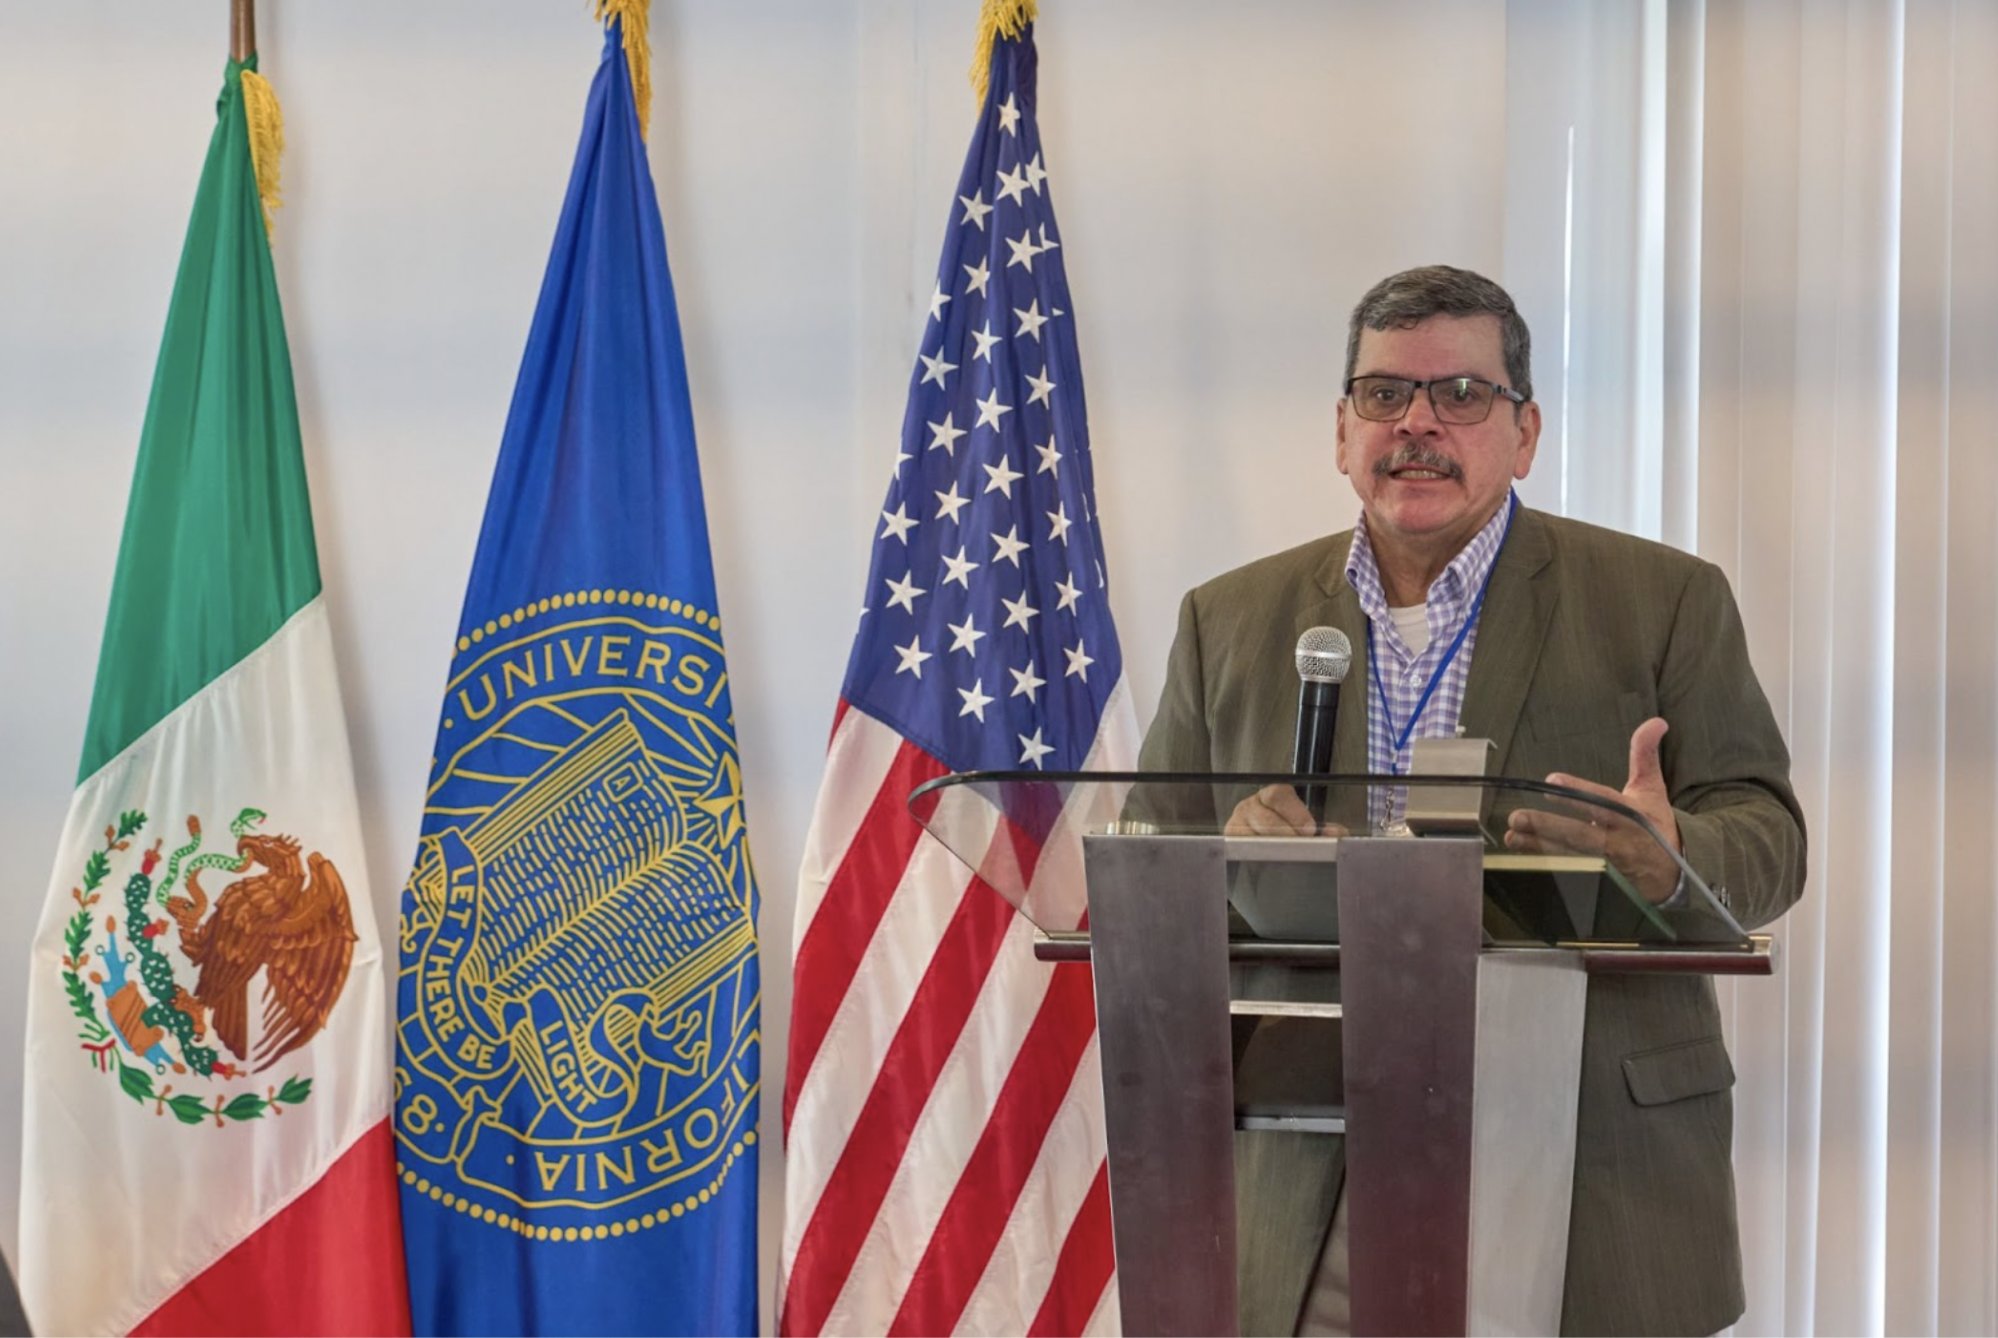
x=1399, y=675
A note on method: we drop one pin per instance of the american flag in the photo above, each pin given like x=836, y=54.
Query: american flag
x=942, y=1107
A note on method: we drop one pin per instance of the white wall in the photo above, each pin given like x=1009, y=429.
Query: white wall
x=805, y=153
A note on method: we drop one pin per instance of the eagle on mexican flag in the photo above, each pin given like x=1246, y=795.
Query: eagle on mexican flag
x=207, y=1090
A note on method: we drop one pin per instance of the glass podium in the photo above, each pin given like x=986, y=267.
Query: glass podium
x=1401, y=960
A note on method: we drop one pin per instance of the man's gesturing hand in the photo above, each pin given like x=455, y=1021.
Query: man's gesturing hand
x=1582, y=830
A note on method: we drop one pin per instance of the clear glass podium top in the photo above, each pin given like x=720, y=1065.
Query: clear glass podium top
x=1561, y=867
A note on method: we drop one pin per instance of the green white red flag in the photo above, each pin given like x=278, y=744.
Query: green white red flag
x=207, y=1088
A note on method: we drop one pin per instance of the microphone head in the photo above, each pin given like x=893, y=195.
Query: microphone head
x=1324, y=654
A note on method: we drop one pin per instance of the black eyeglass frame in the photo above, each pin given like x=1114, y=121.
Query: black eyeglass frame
x=1503, y=392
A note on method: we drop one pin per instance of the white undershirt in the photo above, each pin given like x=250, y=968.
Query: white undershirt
x=1413, y=625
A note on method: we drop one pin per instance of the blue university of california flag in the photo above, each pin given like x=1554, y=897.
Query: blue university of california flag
x=577, y=1045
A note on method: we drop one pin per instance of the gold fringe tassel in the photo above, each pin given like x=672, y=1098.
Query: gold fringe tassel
x=266, y=120
x=997, y=19
x=637, y=16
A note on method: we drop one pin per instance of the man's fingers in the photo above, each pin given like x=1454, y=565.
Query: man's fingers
x=1579, y=810
x=1646, y=776
x=1538, y=832
x=1567, y=782
x=1645, y=790
x=1274, y=810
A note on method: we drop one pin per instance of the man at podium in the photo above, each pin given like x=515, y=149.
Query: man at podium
x=1589, y=658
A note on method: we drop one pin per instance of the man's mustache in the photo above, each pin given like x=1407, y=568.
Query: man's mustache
x=1414, y=456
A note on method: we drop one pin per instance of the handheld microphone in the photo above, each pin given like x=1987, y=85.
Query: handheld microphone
x=1324, y=654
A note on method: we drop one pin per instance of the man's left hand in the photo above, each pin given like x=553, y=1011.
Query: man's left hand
x=1596, y=831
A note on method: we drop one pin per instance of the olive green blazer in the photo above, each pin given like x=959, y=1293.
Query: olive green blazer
x=1585, y=633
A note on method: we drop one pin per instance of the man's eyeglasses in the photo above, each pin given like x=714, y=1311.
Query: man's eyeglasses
x=1457, y=399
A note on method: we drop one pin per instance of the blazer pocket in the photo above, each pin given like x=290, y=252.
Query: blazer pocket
x=1675, y=1072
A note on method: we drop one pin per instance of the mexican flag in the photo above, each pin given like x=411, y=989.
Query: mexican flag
x=206, y=1137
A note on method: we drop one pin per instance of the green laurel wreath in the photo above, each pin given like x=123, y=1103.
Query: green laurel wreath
x=97, y=1038
x=191, y=1109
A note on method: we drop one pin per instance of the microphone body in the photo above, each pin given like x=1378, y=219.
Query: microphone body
x=1324, y=654
x=1317, y=713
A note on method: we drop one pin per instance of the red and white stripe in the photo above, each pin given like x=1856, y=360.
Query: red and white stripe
x=943, y=1108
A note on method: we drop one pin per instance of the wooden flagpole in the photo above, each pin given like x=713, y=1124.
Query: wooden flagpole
x=242, y=29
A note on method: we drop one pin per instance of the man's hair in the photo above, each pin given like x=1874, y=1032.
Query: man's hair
x=1414, y=295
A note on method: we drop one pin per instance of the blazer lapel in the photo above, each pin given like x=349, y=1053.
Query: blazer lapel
x=1512, y=628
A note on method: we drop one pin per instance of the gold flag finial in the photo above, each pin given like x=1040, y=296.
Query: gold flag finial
x=637, y=50
x=997, y=19
x=266, y=121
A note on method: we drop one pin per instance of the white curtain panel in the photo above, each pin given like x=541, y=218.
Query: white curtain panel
x=1942, y=1107
x=1819, y=220
x=1796, y=499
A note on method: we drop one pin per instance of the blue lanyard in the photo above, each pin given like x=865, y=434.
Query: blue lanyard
x=1400, y=739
